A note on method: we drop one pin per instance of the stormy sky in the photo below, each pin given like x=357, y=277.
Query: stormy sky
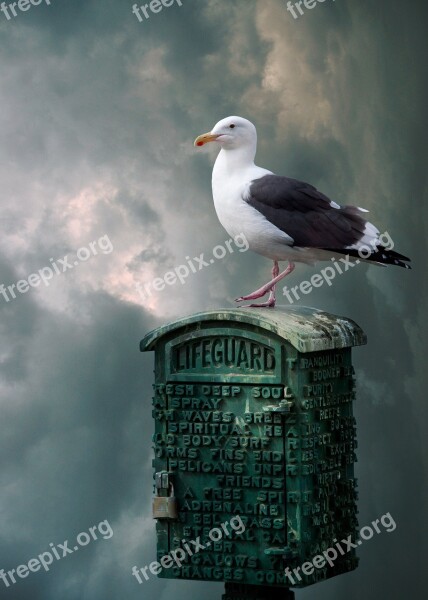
x=98, y=115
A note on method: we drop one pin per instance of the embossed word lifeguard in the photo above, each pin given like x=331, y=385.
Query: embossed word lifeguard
x=224, y=352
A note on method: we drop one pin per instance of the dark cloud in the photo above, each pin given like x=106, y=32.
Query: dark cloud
x=98, y=116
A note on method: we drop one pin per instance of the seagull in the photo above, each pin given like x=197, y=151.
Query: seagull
x=282, y=218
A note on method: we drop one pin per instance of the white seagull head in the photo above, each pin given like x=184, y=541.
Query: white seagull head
x=231, y=133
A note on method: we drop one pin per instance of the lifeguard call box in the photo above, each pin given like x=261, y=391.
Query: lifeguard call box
x=253, y=414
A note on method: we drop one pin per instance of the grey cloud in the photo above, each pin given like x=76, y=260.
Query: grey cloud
x=98, y=107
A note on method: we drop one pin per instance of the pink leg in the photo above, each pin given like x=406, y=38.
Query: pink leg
x=275, y=269
x=269, y=287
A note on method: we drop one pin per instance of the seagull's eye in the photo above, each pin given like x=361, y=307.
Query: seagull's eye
x=232, y=126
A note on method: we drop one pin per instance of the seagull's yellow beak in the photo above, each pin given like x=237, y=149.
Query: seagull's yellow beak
x=205, y=139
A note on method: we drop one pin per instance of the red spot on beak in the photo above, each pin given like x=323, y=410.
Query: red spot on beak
x=200, y=144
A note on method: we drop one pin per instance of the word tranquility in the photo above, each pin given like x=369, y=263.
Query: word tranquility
x=23, y=6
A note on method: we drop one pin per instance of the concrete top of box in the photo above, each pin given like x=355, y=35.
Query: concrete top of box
x=307, y=329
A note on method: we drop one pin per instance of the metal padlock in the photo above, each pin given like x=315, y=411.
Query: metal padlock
x=164, y=507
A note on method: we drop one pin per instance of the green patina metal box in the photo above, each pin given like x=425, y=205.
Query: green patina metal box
x=253, y=415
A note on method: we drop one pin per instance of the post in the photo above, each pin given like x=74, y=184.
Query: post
x=236, y=591
x=255, y=448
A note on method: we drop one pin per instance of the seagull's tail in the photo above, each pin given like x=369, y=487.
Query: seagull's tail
x=383, y=256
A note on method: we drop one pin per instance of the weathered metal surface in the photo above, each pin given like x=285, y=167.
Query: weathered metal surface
x=253, y=418
x=307, y=329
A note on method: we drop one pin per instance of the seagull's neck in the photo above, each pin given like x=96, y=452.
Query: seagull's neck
x=231, y=161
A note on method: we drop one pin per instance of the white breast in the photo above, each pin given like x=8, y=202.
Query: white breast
x=230, y=187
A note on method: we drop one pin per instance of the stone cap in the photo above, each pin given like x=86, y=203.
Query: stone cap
x=307, y=329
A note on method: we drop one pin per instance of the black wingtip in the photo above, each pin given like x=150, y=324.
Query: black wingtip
x=382, y=256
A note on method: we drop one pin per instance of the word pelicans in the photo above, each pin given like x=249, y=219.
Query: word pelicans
x=155, y=6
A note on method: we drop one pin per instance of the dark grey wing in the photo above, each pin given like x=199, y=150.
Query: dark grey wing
x=305, y=214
